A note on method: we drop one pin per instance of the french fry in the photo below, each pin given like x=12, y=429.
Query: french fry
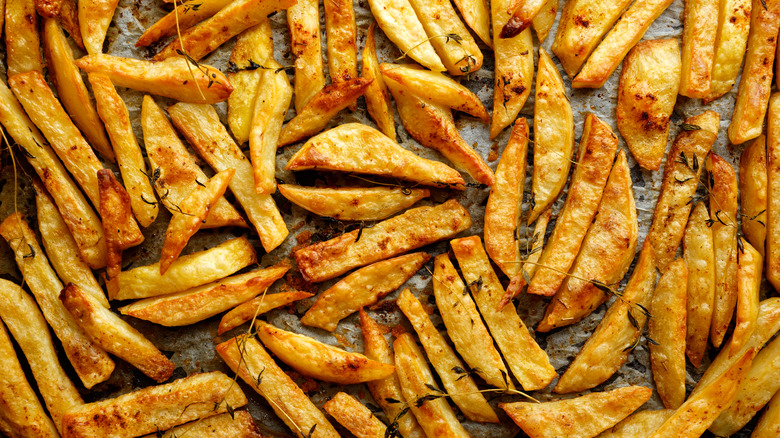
x=201, y=126
x=730, y=45
x=121, y=229
x=523, y=12
x=749, y=272
x=341, y=39
x=362, y=288
x=377, y=98
x=584, y=416
x=355, y=417
x=249, y=360
x=753, y=193
x=528, y=362
x=257, y=306
x=185, y=15
x=623, y=36
x=320, y=361
x=176, y=78
x=769, y=424
x=22, y=43
x=343, y=148
x=640, y=423
x=48, y=8
x=594, y=158
x=605, y=256
x=69, y=19
x=21, y=315
x=114, y=114
x=156, y=408
x=700, y=28
x=773, y=193
x=533, y=249
x=236, y=17
x=238, y=425
x=194, y=211
x=90, y=362
x=303, y=18
x=553, y=136
x=545, y=19
x=700, y=259
x=646, y=97
x=211, y=265
x=201, y=302
x=755, y=86
x=353, y=204
x=684, y=162
x=414, y=228
x=95, y=17
x=476, y=14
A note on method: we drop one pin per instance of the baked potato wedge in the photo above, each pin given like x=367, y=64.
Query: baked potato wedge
x=773, y=192
x=700, y=28
x=22, y=41
x=700, y=258
x=355, y=417
x=640, y=423
x=353, y=204
x=95, y=17
x=753, y=193
x=239, y=425
x=186, y=14
x=545, y=19
x=341, y=40
x=377, y=97
x=257, y=306
x=534, y=244
x=476, y=14
x=122, y=231
x=769, y=424
x=730, y=45
x=303, y=19
x=749, y=270
x=523, y=12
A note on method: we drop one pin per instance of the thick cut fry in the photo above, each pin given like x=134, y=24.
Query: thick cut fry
x=22, y=43
x=528, y=362
x=69, y=19
x=354, y=147
x=523, y=12
x=533, y=250
x=196, y=304
x=95, y=17
x=730, y=44
x=156, y=408
x=611, y=51
x=377, y=98
x=362, y=288
x=201, y=126
x=341, y=38
x=545, y=19
x=773, y=193
x=236, y=425
x=236, y=17
x=700, y=29
x=303, y=18
x=415, y=228
x=249, y=360
x=320, y=361
x=753, y=192
x=174, y=169
x=122, y=230
x=640, y=423
x=505, y=202
x=646, y=98
x=684, y=164
x=700, y=259
x=456, y=381
x=91, y=363
x=436, y=417
x=476, y=14
x=353, y=204
x=257, y=306
x=184, y=16
x=769, y=424
x=71, y=89
x=749, y=272
x=606, y=254
x=594, y=159
x=176, y=78
x=355, y=417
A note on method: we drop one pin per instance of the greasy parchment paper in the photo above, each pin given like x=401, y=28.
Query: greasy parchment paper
x=192, y=347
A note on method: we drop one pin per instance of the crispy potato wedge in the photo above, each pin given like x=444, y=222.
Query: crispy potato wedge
x=730, y=45
x=249, y=360
x=303, y=18
x=355, y=417
x=646, y=97
x=414, y=228
x=605, y=256
x=121, y=229
x=186, y=14
x=749, y=276
x=362, y=288
x=700, y=259
x=156, y=408
x=90, y=362
x=769, y=424
x=773, y=193
x=377, y=98
x=353, y=204
x=753, y=193
x=700, y=29
x=22, y=42
x=623, y=36
x=320, y=361
x=343, y=148
x=640, y=423
x=594, y=159
x=684, y=164
x=476, y=14
x=584, y=416
x=238, y=425
x=553, y=136
x=341, y=39
x=668, y=327
x=528, y=362
x=69, y=19
x=257, y=306
x=523, y=13
x=95, y=17
x=176, y=78
x=544, y=20
x=202, y=302
x=201, y=126
x=533, y=250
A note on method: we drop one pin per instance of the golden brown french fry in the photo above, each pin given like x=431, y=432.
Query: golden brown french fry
x=257, y=306
x=684, y=164
x=156, y=408
x=730, y=44
x=623, y=36
x=362, y=288
x=303, y=19
x=69, y=19
x=545, y=19
x=523, y=12
x=640, y=423
x=202, y=302
x=71, y=89
x=749, y=276
x=343, y=148
x=377, y=98
x=594, y=158
x=528, y=362
x=341, y=39
x=121, y=229
x=90, y=362
x=201, y=126
x=773, y=193
x=753, y=193
x=176, y=78
x=769, y=424
x=48, y=8
x=667, y=327
x=605, y=256
x=186, y=14
x=353, y=204
x=584, y=416
x=414, y=228
x=700, y=259
x=249, y=360
x=95, y=17
x=553, y=136
x=533, y=250
x=700, y=28
x=646, y=97
x=355, y=417
x=239, y=424
x=22, y=43
x=476, y=14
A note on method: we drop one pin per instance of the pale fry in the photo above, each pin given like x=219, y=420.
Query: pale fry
x=303, y=18
x=640, y=423
x=341, y=39
x=22, y=42
x=95, y=17
x=122, y=230
x=769, y=424
x=184, y=16
x=240, y=424
x=749, y=276
x=476, y=14
x=523, y=12
x=545, y=19
x=700, y=259
x=773, y=193
x=355, y=417
x=257, y=306
x=730, y=44
x=377, y=98
x=353, y=204
x=700, y=28
x=753, y=193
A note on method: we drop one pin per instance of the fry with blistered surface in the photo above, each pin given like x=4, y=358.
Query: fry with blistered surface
x=545, y=19
x=753, y=193
x=353, y=204
x=186, y=14
x=594, y=161
x=22, y=42
x=303, y=19
x=354, y=147
x=237, y=425
x=121, y=229
x=414, y=228
x=257, y=306
x=640, y=423
x=355, y=417
x=156, y=408
x=95, y=17
x=749, y=270
x=176, y=78
x=684, y=164
x=377, y=98
x=700, y=259
x=731, y=41
x=700, y=28
x=523, y=12
x=528, y=362
x=773, y=193
x=584, y=416
x=362, y=288
x=399, y=22
x=646, y=98
x=341, y=39
x=476, y=14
